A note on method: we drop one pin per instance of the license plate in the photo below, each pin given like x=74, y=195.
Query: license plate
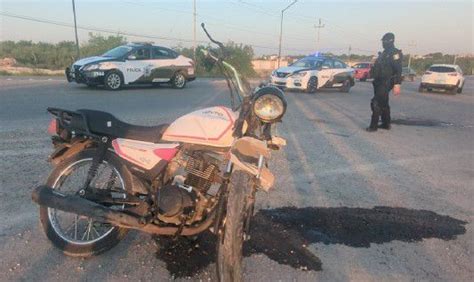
x=337, y=84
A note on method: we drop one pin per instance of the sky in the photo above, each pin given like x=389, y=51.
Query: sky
x=420, y=27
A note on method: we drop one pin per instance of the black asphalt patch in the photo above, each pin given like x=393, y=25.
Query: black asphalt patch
x=420, y=122
x=283, y=235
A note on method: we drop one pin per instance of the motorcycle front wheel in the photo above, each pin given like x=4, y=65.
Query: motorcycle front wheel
x=78, y=235
x=230, y=241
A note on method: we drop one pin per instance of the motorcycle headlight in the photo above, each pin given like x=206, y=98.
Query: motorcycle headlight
x=91, y=67
x=269, y=104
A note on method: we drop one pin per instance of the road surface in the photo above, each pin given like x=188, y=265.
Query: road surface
x=347, y=205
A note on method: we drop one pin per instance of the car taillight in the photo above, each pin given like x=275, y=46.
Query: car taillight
x=53, y=127
x=453, y=74
x=428, y=72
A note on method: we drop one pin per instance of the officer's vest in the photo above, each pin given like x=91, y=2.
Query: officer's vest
x=382, y=68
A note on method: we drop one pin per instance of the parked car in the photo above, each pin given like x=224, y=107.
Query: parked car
x=443, y=76
x=134, y=63
x=312, y=73
x=408, y=74
x=362, y=71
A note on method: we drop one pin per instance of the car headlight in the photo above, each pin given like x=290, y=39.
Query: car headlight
x=269, y=104
x=299, y=74
x=91, y=67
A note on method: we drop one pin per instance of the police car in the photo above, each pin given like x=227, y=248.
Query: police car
x=314, y=72
x=443, y=76
x=134, y=63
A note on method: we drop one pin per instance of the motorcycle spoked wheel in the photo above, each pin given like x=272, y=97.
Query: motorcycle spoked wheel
x=230, y=241
x=81, y=236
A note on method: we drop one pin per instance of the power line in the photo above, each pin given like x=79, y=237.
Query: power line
x=89, y=28
x=214, y=20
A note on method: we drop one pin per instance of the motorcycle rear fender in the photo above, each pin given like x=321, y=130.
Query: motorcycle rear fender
x=64, y=151
x=245, y=154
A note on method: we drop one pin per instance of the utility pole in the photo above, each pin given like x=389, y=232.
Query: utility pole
x=319, y=26
x=411, y=44
x=281, y=30
x=194, y=33
x=350, y=50
x=75, y=29
x=455, y=59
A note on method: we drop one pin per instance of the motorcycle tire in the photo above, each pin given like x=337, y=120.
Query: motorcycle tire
x=71, y=246
x=230, y=241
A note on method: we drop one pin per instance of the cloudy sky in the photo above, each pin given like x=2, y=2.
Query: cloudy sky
x=420, y=26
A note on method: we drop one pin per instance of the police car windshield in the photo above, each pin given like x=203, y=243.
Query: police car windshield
x=308, y=63
x=118, y=52
x=442, y=69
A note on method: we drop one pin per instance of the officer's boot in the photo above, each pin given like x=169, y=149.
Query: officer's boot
x=374, y=121
x=386, y=119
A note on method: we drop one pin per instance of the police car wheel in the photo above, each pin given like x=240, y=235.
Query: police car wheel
x=312, y=86
x=346, y=86
x=459, y=91
x=178, y=81
x=113, y=80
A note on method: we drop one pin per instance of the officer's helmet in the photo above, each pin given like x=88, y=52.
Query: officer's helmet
x=388, y=37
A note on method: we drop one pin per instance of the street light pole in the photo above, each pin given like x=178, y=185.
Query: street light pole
x=194, y=33
x=281, y=30
x=411, y=44
x=75, y=29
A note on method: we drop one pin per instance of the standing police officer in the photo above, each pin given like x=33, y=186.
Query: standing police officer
x=387, y=74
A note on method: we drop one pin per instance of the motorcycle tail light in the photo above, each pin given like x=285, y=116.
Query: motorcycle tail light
x=53, y=127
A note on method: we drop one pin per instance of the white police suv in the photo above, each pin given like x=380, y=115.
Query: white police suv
x=134, y=63
x=314, y=72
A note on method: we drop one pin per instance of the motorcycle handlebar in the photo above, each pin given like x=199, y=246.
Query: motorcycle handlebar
x=218, y=43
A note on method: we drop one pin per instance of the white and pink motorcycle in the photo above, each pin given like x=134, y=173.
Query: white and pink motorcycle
x=199, y=173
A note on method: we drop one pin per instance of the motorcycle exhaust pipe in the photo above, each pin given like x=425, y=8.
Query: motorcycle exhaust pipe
x=48, y=197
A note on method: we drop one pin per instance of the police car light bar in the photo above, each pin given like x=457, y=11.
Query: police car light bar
x=316, y=54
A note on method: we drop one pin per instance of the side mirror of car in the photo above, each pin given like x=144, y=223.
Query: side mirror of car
x=132, y=57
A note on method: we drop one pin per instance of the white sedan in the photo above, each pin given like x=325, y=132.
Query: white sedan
x=443, y=76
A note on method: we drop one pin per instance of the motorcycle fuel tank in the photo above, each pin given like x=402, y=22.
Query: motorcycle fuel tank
x=210, y=127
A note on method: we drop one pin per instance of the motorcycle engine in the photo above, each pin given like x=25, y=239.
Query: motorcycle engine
x=185, y=199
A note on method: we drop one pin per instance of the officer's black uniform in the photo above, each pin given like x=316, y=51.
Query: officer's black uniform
x=387, y=71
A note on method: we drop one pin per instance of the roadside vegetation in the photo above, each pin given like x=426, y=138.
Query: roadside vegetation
x=48, y=56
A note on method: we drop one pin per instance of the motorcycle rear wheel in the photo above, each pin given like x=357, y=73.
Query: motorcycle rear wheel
x=230, y=242
x=81, y=236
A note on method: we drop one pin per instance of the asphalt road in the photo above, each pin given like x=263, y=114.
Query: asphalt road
x=347, y=205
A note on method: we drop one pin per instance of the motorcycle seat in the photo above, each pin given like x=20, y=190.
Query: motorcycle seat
x=103, y=123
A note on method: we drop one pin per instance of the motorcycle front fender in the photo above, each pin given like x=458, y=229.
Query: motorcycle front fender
x=246, y=155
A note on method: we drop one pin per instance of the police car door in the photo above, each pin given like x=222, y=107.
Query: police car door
x=164, y=64
x=326, y=72
x=341, y=73
x=138, y=65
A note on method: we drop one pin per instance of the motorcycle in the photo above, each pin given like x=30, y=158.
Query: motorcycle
x=199, y=173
